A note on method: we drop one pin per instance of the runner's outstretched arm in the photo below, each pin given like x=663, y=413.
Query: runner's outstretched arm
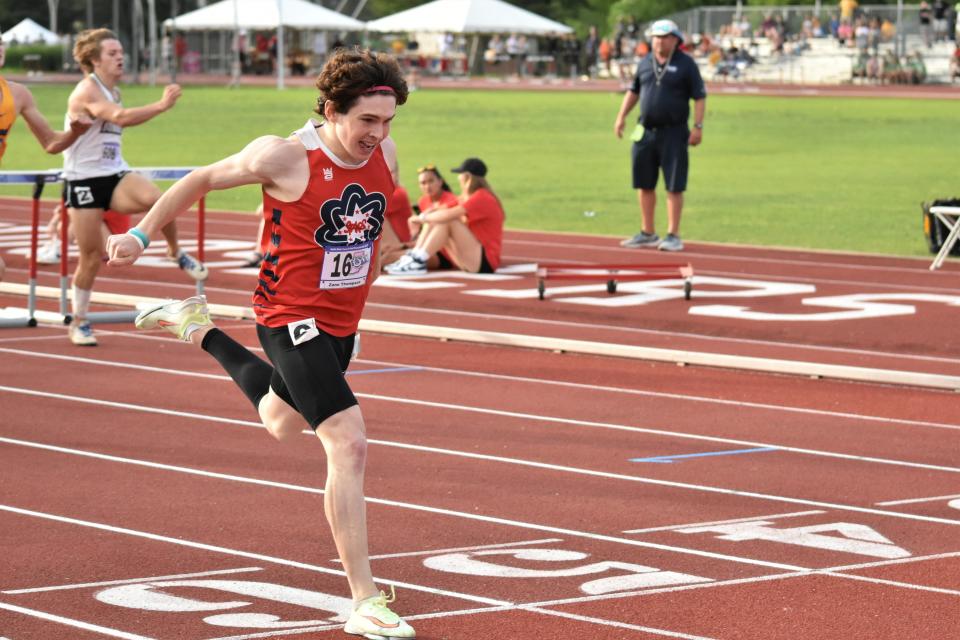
x=257, y=163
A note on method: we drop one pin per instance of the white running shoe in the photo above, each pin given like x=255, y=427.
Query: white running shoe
x=49, y=253
x=191, y=266
x=407, y=265
x=374, y=620
x=81, y=334
x=181, y=318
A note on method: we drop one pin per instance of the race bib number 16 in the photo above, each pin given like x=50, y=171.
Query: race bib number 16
x=345, y=267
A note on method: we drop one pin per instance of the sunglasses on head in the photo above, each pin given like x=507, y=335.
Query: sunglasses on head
x=428, y=167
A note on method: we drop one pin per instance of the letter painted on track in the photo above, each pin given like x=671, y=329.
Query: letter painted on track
x=637, y=577
x=853, y=538
x=158, y=596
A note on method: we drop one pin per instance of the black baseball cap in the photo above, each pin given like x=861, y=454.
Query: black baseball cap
x=472, y=165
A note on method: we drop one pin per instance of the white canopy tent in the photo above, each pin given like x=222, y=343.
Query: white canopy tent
x=28, y=32
x=265, y=14
x=468, y=16
x=234, y=15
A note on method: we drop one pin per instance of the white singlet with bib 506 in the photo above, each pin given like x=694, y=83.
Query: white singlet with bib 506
x=97, y=152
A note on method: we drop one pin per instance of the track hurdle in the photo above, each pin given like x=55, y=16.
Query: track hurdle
x=39, y=179
x=614, y=273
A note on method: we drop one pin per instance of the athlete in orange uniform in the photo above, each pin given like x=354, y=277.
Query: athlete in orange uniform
x=325, y=191
x=16, y=99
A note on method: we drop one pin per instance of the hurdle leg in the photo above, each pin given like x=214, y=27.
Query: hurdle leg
x=64, y=258
x=201, y=233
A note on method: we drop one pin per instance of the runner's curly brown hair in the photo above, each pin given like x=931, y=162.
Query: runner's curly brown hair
x=351, y=73
x=87, y=47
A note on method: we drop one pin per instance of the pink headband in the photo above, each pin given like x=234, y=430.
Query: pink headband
x=380, y=87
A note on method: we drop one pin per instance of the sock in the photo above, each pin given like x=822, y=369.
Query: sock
x=250, y=373
x=419, y=255
x=81, y=302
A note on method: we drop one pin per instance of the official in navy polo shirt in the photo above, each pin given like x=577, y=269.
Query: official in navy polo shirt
x=666, y=81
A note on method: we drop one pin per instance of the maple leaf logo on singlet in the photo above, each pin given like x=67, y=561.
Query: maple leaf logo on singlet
x=356, y=216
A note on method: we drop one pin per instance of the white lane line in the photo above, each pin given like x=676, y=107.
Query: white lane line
x=658, y=432
x=613, y=623
x=671, y=396
x=405, y=505
x=491, y=610
x=540, y=465
x=543, y=418
x=241, y=554
x=507, y=378
x=794, y=514
x=890, y=503
x=87, y=585
x=86, y=626
x=836, y=572
x=429, y=552
x=892, y=583
x=832, y=572
x=486, y=317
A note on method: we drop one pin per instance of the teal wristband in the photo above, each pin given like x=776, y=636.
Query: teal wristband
x=140, y=236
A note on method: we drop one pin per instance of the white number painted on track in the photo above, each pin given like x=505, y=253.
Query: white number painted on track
x=954, y=504
x=156, y=596
x=856, y=306
x=854, y=538
x=638, y=576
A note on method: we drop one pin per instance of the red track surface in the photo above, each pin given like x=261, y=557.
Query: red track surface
x=135, y=479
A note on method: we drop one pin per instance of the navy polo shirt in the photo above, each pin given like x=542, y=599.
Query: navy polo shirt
x=667, y=104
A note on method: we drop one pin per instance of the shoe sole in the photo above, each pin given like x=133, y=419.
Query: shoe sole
x=143, y=321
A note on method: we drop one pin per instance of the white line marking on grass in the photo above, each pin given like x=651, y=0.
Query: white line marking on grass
x=917, y=500
x=86, y=626
x=86, y=585
x=241, y=554
x=704, y=524
x=403, y=505
x=654, y=481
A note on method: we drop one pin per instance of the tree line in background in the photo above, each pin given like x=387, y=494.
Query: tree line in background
x=579, y=14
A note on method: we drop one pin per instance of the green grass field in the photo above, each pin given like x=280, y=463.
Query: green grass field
x=824, y=173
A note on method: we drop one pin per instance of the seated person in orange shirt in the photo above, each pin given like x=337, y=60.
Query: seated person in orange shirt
x=470, y=232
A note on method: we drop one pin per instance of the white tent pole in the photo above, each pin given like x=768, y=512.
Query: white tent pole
x=237, y=69
x=152, y=4
x=280, y=56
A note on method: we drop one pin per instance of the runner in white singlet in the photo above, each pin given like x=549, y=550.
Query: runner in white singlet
x=97, y=177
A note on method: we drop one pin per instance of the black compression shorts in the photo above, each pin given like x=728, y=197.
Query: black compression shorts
x=309, y=376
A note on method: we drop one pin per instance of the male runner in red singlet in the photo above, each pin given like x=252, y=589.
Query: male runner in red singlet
x=325, y=191
x=16, y=99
